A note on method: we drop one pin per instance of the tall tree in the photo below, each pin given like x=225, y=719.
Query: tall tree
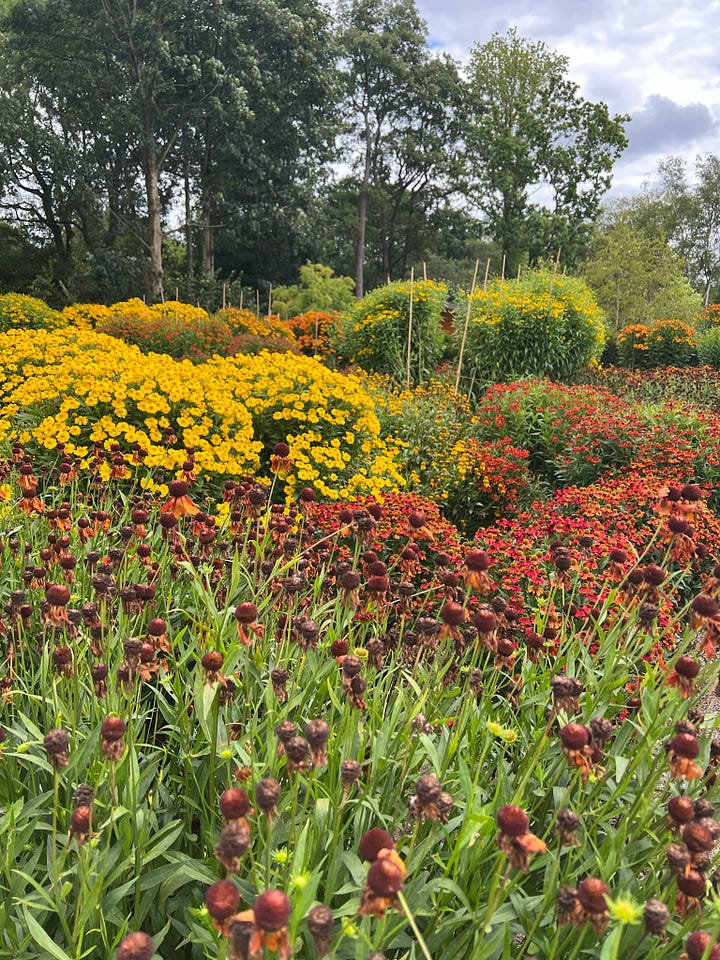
x=692, y=218
x=637, y=277
x=529, y=133
x=399, y=101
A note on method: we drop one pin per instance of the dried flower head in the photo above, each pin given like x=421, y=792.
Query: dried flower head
x=57, y=743
x=233, y=843
x=592, y=896
x=655, y=917
x=320, y=923
x=514, y=838
x=136, y=946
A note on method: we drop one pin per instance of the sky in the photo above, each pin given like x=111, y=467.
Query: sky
x=657, y=60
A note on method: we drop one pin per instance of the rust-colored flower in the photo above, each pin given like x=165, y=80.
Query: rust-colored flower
x=248, y=627
x=514, y=838
x=179, y=503
x=112, y=731
x=592, y=896
x=383, y=882
x=682, y=750
x=222, y=900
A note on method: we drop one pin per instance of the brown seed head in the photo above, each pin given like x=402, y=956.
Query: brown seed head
x=317, y=733
x=574, y=736
x=705, y=606
x=697, y=838
x=372, y=842
x=477, y=560
x=246, y=612
x=681, y=809
x=591, y=894
x=453, y=614
x=320, y=920
x=512, y=821
x=272, y=911
x=656, y=916
x=687, y=667
x=222, y=900
x=267, y=794
x=485, y=619
x=57, y=594
x=692, y=883
x=212, y=661
x=136, y=946
x=385, y=878
x=80, y=820
x=697, y=945
x=685, y=745
x=113, y=728
x=234, y=803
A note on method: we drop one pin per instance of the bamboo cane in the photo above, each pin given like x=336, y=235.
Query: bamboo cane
x=410, y=321
x=467, y=322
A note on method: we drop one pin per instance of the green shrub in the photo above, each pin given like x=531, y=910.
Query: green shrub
x=541, y=325
x=18, y=311
x=318, y=290
x=375, y=334
x=708, y=348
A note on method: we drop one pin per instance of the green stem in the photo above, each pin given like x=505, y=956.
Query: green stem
x=411, y=921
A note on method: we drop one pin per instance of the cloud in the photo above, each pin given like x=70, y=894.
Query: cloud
x=664, y=125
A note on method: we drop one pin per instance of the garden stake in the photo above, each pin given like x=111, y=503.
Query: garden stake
x=410, y=319
x=467, y=322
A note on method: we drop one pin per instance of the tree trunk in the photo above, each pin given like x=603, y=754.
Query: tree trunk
x=362, y=214
x=208, y=245
x=189, y=251
x=154, y=282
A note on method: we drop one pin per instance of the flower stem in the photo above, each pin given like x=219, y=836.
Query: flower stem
x=411, y=921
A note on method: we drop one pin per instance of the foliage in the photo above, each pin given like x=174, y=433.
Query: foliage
x=691, y=217
x=319, y=291
x=376, y=333
x=709, y=318
x=708, y=347
x=20, y=312
x=637, y=277
x=539, y=325
x=633, y=345
x=446, y=455
x=526, y=126
x=672, y=343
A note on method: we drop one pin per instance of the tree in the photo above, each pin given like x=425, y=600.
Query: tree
x=529, y=133
x=638, y=278
x=692, y=218
x=402, y=125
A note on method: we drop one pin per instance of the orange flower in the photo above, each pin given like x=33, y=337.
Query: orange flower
x=180, y=503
